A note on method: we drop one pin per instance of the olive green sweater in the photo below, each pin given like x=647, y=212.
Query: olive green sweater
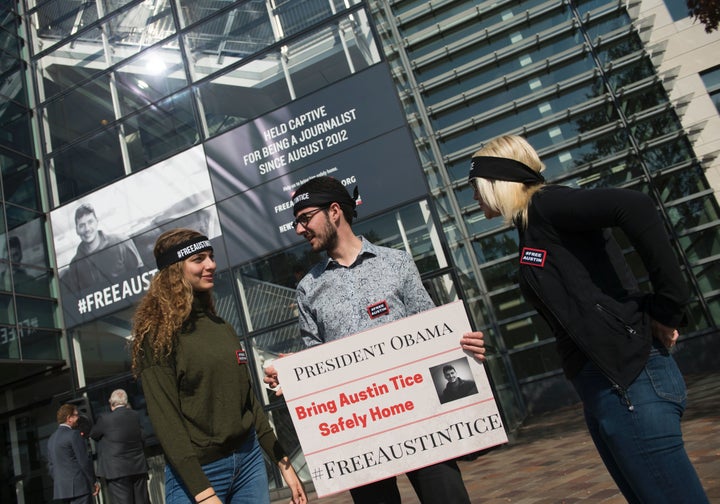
x=201, y=402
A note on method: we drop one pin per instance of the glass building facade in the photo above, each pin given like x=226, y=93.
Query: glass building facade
x=96, y=94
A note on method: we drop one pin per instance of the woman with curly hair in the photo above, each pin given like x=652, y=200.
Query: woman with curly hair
x=197, y=385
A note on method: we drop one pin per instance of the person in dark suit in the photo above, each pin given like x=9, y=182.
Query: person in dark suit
x=121, y=459
x=69, y=462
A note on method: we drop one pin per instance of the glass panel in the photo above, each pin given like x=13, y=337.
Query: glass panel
x=613, y=174
x=143, y=25
x=109, y=6
x=73, y=167
x=36, y=312
x=496, y=246
x=441, y=289
x=501, y=275
x=57, y=19
x=104, y=346
x=11, y=75
x=525, y=331
x=270, y=345
x=161, y=130
x=9, y=341
x=73, y=63
x=680, y=183
x=701, y=244
x=496, y=91
x=40, y=344
x=655, y=126
x=27, y=244
x=17, y=216
x=157, y=73
x=693, y=213
x=708, y=276
x=63, y=120
x=331, y=53
x=296, y=15
x=11, y=162
x=535, y=361
x=16, y=133
x=509, y=303
x=244, y=93
x=711, y=78
x=678, y=10
x=407, y=229
x=32, y=281
x=668, y=153
x=21, y=188
x=225, y=39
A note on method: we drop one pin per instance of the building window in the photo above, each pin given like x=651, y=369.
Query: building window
x=711, y=78
x=678, y=9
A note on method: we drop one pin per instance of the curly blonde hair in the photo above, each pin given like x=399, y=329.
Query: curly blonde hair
x=166, y=306
x=510, y=199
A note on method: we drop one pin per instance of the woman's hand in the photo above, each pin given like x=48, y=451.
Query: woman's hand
x=293, y=482
x=666, y=335
x=474, y=343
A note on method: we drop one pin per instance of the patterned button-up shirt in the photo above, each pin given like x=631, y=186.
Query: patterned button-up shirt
x=382, y=285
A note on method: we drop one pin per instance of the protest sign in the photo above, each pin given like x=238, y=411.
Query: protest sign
x=389, y=400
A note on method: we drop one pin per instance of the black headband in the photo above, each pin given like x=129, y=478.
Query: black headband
x=499, y=168
x=318, y=199
x=182, y=251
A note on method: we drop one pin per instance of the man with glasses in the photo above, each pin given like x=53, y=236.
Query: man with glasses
x=360, y=286
x=69, y=462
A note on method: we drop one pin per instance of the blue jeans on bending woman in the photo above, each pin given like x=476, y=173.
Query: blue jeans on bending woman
x=637, y=431
x=239, y=478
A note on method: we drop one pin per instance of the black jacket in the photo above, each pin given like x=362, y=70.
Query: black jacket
x=576, y=276
x=120, y=444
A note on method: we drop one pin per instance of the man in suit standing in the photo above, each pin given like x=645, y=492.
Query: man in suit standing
x=121, y=459
x=69, y=461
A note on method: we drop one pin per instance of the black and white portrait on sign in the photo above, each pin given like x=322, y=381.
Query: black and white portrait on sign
x=103, y=242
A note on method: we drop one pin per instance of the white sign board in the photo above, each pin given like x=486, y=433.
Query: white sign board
x=377, y=404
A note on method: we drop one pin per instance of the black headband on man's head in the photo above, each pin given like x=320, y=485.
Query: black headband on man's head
x=183, y=250
x=309, y=199
x=499, y=168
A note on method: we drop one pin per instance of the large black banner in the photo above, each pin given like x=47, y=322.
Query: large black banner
x=237, y=189
x=104, y=241
x=354, y=131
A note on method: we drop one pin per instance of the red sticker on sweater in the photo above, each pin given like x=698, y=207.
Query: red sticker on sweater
x=378, y=309
x=241, y=356
x=533, y=257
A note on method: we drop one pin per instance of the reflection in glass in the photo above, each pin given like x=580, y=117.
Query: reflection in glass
x=161, y=130
x=156, y=73
x=36, y=312
x=244, y=93
x=103, y=345
x=73, y=63
x=275, y=78
x=61, y=114
x=76, y=168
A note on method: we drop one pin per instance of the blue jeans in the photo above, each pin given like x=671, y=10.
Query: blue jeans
x=239, y=478
x=637, y=431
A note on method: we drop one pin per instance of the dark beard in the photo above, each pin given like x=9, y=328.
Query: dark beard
x=330, y=238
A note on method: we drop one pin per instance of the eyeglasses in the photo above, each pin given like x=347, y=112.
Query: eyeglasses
x=305, y=218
